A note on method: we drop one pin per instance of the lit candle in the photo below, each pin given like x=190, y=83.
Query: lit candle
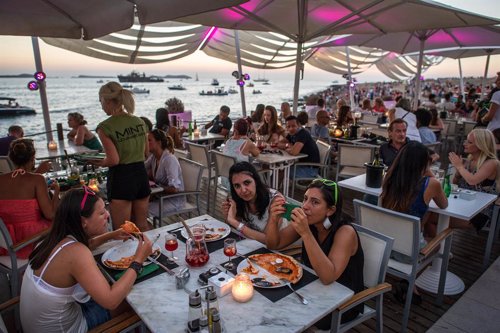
x=196, y=133
x=93, y=185
x=52, y=145
x=242, y=288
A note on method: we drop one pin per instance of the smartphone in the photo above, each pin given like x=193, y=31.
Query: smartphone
x=289, y=207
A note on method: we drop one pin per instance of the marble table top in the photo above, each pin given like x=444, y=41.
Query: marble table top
x=163, y=308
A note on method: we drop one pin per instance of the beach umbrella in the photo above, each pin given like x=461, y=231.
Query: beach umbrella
x=89, y=19
x=418, y=40
x=468, y=52
x=304, y=20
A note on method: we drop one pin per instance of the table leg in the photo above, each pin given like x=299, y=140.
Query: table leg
x=286, y=179
x=429, y=279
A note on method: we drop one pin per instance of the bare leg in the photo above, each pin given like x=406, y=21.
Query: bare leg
x=120, y=210
x=460, y=224
x=140, y=213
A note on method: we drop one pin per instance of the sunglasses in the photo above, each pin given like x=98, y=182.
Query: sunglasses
x=330, y=183
x=88, y=192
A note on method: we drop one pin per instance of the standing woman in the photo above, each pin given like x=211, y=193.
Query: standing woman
x=270, y=125
x=480, y=173
x=80, y=134
x=123, y=136
x=330, y=245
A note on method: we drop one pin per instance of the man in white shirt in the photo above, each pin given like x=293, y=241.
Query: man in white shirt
x=493, y=115
x=447, y=105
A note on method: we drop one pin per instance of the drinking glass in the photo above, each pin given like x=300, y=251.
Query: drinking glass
x=229, y=250
x=171, y=245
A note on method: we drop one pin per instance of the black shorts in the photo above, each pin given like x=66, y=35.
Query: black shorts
x=128, y=182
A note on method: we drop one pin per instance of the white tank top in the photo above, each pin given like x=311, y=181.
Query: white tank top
x=45, y=308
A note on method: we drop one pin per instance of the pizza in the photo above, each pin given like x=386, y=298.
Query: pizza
x=131, y=228
x=212, y=237
x=278, y=265
x=122, y=263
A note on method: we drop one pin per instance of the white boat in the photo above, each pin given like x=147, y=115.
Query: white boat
x=137, y=90
x=9, y=107
x=255, y=92
x=232, y=91
x=177, y=87
x=215, y=82
x=216, y=92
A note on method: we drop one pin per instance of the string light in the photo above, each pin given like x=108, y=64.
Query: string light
x=39, y=77
x=240, y=78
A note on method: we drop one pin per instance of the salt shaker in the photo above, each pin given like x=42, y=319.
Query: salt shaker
x=204, y=324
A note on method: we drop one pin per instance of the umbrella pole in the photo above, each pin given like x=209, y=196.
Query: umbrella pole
x=238, y=58
x=349, y=71
x=43, y=91
x=485, y=76
x=298, y=66
x=461, y=76
x=419, y=73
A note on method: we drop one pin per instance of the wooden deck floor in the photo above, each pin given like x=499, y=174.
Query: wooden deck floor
x=467, y=248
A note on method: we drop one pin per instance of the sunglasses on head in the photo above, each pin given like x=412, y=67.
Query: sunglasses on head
x=88, y=192
x=330, y=183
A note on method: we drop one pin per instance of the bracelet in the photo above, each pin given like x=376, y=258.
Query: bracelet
x=240, y=227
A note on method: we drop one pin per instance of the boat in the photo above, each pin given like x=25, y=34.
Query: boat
x=137, y=77
x=127, y=86
x=266, y=83
x=9, y=107
x=251, y=85
x=232, y=91
x=255, y=92
x=137, y=90
x=216, y=92
x=215, y=82
x=177, y=87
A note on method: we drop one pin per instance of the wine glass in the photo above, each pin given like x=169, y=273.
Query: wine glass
x=171, y=245
x=229, y=250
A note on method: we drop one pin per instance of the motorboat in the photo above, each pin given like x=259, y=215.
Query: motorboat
x=177, y=87
x=251, y=85
x=137, y=77
x=256, y=92
x=215, y=82
x=232, y=91
x=127, y=86
x=9, y=107
x=216, y=92
x=137, y=90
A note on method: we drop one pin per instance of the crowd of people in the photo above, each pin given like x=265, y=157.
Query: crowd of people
x=63, y=288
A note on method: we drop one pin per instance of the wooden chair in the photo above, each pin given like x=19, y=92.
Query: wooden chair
x=201, y=154
x=376, y=249
x=124, y=322
x=405, y=229
x=191, y=176
x=351, y=160
x=9, y=263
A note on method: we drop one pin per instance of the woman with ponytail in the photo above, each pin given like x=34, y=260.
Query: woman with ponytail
x=123, y=136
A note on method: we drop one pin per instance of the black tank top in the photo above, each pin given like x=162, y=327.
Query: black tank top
x=352, y=277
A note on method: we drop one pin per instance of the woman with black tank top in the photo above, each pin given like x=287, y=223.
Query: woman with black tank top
x=330, y=245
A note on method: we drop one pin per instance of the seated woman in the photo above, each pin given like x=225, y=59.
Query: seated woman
x=436, y=124
x=248, y=210
x=285, y=111
x=164, y=169
x=163, y=123
x=379, y=106
x=63, y=290
x=478, y=173
x=366, y=106
x=80, y=134
x=25, y=205
x=239, y=145
x=408, y=187
x=269, y=126
x=344, y=117
x=330, y=245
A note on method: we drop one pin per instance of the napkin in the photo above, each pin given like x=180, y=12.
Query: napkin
x=145, y=271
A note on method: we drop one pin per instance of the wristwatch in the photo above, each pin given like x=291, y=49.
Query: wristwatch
x=240, y=227
x=137, y=267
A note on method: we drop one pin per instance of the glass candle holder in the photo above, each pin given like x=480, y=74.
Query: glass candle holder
x=242, y=288
x=52, y=145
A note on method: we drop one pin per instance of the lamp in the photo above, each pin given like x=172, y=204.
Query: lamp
x=242, y=288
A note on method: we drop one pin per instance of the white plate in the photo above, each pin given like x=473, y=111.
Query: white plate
x=126, y=249
x=262, y=273
x=211, y=224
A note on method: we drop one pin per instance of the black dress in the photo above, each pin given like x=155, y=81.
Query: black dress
x=352, y=277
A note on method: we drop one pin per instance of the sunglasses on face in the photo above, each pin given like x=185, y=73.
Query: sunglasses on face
x=88, y=192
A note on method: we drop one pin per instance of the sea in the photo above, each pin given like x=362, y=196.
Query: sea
x=76, y=94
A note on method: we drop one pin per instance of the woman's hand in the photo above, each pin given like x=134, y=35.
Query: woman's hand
x=54, y=186
x=226, y=204
x=300, y=222
x=455, y=160
x=231, y=213
x=144, y=248
x=120, y=234
x=277, y=209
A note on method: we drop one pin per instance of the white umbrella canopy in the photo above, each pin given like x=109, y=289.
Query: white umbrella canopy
x=93, y=18
x=303, y=20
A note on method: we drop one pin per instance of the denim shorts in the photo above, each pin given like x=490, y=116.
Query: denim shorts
x=94, y=314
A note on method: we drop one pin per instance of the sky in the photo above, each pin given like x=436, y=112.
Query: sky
x=17, y=57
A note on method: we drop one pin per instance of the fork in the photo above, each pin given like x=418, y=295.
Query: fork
x=302, y=299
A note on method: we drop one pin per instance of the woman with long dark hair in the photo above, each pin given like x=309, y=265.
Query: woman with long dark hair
x=248, y=209
x=269, y=126
x=63, y=290
x=330, y=245
x=80, y=134
x=344, y=116
x=163, y=123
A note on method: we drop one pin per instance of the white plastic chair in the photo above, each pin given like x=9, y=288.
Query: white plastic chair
x=191, y=176
x=351, y=160
x=201, y=154
x=377, y=249
x=405, y=229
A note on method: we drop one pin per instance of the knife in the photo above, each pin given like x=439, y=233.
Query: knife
x=165, y=268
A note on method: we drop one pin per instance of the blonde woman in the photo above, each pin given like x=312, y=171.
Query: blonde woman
x=80, y=134
x=478, y=173
x=124, y=138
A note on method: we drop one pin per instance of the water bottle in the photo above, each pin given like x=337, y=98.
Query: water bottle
x=190, y=129
x=447, y=186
